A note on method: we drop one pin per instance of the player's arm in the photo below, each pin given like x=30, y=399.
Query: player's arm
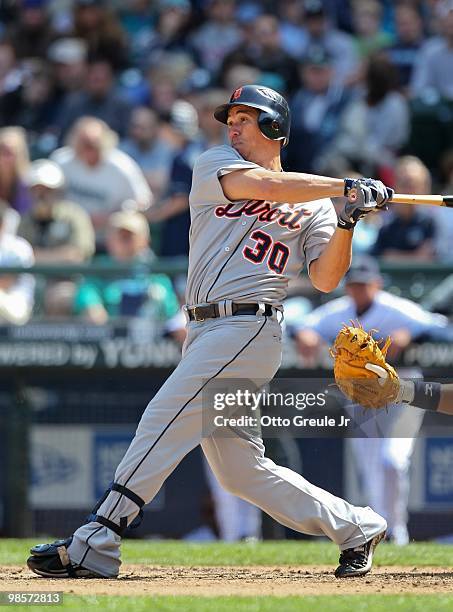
x=308, y=342
x=432, y=396
x=329, y=268
x=446, y=399
x=435, y=397
x=170, y=207
x=289, y=187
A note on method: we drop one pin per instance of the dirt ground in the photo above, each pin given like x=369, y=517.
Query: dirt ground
x=214, y=581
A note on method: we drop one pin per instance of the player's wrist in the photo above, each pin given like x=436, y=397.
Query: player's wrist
x=420, y=394
x=406, y=392
x=346, y=222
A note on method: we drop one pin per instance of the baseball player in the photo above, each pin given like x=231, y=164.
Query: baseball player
x=253, y=227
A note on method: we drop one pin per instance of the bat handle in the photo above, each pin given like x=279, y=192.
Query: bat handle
x=448, y=201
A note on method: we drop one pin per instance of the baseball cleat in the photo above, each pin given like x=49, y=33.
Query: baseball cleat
x=52, y=561
x=358, y=561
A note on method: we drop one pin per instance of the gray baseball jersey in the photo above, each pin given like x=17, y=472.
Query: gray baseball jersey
x=247, y=251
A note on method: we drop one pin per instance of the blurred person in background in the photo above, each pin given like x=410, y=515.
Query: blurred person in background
x=95, y=23
x=434, y=63
x=171, y=30
x=10, y=75
x=316, y=110
x=173, y=209
x=292, y=28
x=99, y=176
x=411, y=233
x=369, y=36
x=14, y=166
x=374, y=127
x=218, y=34
x=339, y=44
x=386, y=438
x=68, y=58
x=444, y=222
x=239, y=75
x=36, y=107
x=212, y=132
x=140, y=294
x=340, y=13
x=440, y=297
x=409, y=37
x=60, y=231
x=166, y=76
x=8, y=13
x=144, y=144
x=32, y=33
x=16, y=290
x=137, y=22
x=447, y=172
x=98, y=98
x=264, y=51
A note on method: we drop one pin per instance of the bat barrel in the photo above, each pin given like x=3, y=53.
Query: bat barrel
x=424, y=200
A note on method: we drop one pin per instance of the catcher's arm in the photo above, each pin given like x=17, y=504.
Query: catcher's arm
x=420, y=394
x=446, y=399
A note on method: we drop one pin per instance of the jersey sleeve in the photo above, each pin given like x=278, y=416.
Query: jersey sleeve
x=320, y=231
x=208, y=169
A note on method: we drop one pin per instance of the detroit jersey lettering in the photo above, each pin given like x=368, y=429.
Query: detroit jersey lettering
x=248, y=251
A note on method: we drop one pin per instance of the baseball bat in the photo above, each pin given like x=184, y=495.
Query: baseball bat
x=426, y=200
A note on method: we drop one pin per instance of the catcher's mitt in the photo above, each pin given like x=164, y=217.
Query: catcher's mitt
x=360, y=369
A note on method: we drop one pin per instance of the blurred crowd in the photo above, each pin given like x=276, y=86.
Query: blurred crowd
x=105, y=105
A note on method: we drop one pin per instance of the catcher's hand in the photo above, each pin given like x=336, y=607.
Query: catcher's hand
x=360, y=368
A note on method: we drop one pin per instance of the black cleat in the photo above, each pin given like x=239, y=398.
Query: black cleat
x=358, y=561
x=52, y=561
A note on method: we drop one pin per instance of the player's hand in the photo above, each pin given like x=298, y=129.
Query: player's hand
x=405, y=388
x=364, y=196
x=401, y=338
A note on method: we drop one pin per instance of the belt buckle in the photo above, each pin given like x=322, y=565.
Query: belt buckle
x=196, y=318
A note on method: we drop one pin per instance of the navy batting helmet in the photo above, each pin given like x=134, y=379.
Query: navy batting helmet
x=274, y=119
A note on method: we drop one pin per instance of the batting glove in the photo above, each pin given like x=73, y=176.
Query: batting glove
x=364, y=196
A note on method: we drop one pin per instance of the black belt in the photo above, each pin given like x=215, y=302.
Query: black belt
x=211, y=311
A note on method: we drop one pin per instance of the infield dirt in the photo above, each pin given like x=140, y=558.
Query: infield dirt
x=136, y=580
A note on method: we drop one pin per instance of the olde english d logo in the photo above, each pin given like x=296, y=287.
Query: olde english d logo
x=236, y=94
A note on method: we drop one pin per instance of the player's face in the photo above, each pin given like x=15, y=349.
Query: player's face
x=243, y=131
x=124, y=245
x=362, y=293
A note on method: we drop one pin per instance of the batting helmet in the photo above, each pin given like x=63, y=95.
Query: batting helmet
x=274, y=119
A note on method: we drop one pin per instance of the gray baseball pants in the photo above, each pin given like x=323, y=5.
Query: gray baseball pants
x=238, y=347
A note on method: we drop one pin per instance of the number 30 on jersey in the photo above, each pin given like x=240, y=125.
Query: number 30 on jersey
x=277, y=253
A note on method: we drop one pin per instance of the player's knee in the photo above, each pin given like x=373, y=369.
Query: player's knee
x=231, y=483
